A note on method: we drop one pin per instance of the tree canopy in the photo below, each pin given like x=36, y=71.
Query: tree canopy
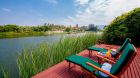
x=43, y=28
x=125, y=26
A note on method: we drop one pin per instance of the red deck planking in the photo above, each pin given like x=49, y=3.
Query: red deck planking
x=60, y=70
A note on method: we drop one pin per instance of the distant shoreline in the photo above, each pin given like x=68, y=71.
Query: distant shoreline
x=4, y=35
x=25, y=34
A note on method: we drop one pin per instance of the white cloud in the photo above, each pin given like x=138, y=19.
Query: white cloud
x=82, y=2
x=52, y=1
x=100, y=11
x=6, y=9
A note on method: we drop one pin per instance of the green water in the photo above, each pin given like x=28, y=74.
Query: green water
x=9, y=48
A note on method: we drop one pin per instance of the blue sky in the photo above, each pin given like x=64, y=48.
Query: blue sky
x=64, y=12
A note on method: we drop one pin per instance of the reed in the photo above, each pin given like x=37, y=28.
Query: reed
x=34, y=60
x=3, y=72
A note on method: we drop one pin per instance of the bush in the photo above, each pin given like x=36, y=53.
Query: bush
x=126, y=25
x=68, y=30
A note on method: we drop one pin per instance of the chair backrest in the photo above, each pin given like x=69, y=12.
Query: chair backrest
x=124, y=60
x=127, y=40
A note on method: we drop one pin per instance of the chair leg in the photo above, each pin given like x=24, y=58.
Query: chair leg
x=99, y=60
x=69, y=66
x=90, y=51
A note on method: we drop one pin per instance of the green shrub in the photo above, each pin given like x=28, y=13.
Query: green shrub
x=67, y=29
x=126, y=25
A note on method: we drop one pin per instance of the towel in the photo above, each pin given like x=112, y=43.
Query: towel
x=108, y=54
x=107, y=67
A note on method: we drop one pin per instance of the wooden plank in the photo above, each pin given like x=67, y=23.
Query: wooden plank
x=60, y=70
x=137, y=65
x=133, y=70
x=129, y=73
x=125, y=74
x=134, y=67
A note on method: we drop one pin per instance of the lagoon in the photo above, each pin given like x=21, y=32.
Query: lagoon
x=9, y=48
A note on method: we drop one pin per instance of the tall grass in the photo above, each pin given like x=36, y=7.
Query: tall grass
x=34, y=60
x=3, y=72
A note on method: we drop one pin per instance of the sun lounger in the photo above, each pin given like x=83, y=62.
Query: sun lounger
x=128, y=40
x=93, y=67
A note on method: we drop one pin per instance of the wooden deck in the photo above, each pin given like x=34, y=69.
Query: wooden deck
x=60, y=70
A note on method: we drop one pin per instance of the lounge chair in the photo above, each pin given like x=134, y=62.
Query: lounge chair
x=127, y=40
x=93, y=67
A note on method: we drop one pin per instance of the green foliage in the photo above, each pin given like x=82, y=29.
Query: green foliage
x=34, y=60
x=126, y=25
x=20, y=34
x=8, y=28
x=3, y=72
x=68, y=29
x=12, y=31
x=15, y=28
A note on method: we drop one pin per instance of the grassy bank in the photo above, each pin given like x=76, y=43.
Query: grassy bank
x=27, y=34
x=33, y=61
x=19, y=34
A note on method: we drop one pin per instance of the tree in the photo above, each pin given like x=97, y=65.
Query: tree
x=1, y=28
x=126, y=25
x=68, y=29
x=10, y=27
